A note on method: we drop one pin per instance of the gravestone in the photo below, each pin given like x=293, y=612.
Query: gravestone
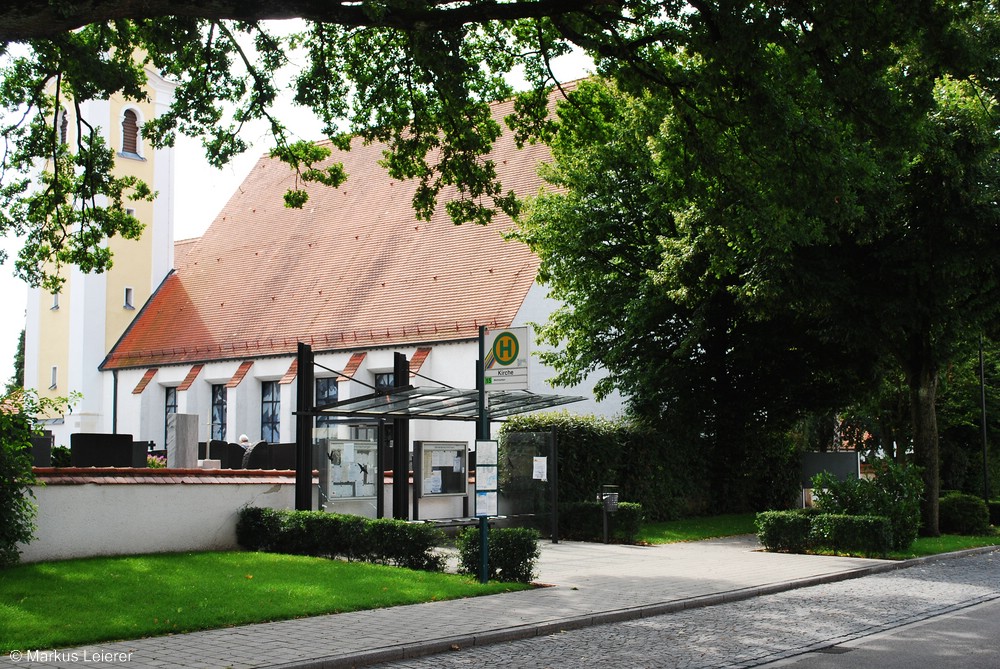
x=182, y=441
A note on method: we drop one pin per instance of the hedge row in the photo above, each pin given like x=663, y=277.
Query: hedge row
x=381, y=541
x=960, y=513
x=584, y=521
x=799, y=531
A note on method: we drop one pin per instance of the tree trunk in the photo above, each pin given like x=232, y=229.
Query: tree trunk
x=923, y=380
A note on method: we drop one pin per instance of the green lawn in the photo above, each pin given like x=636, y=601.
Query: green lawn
x=74, y=602
x=946, y=543
x=694, y=529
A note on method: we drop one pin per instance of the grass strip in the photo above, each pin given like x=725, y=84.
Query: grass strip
x=696, y=529
x=75, y=602
x=946, y=543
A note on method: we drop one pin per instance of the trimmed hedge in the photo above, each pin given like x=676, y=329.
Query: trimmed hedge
x=583, y=521
x=803, y=530
x=895, y=493
x=512, y=553
x=783, y=530
x=960, y=513
x=869, y=535
x=382, y=541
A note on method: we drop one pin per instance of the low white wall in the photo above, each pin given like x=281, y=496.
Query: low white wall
x=129, y=516
x=89, y=519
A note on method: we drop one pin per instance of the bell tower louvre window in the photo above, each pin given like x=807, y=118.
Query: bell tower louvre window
x=130, y=133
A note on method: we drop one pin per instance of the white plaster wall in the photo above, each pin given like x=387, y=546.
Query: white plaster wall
x=536, y=309
x=121, y=519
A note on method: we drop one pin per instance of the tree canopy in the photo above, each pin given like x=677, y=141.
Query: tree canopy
x=834, y=174
x=827, y=169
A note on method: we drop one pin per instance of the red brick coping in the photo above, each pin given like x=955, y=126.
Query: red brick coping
x=130, y=475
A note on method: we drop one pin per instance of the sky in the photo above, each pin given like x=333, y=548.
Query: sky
x=200, y=193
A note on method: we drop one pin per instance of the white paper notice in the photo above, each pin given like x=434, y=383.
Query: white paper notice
x=486, y=504
x=486, y=478
x=486, y=452
x=434, y=482
x=540, y=469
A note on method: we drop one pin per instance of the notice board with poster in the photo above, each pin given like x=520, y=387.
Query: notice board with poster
x=441, y=467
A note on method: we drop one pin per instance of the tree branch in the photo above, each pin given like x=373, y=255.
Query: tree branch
x=20, y=20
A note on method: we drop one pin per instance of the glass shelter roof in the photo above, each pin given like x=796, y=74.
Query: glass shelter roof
x=443, y=404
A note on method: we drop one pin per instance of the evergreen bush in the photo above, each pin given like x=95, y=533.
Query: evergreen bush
x=960, y=513
x=381, y=541
x=787, y=531
x=584, y=521
x=869, y=535
x=894, y=492
x=512, y=553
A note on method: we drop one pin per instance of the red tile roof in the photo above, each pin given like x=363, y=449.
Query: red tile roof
x=354, y=364
x=191, y=376
x=293, y=370
x=144, y=381
x=240, y=373
x=418, y=359
x=353, y=269
x=129, y=475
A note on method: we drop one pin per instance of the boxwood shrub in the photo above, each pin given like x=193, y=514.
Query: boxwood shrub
x=512, y=553
x=584, y=521
x=960, y=513
x=787, y=531
x=869, y=535
x=382, y=541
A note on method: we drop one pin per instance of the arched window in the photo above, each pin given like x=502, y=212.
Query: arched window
x=130, y=133
x=63, y=126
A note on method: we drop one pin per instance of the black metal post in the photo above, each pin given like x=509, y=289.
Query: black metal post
x=483, y=433
x=303, y=428
x=380, y=484
x=554, y=484
x=401, y=445
x=982, y=398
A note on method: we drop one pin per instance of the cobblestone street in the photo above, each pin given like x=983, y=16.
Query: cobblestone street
x=752, y=632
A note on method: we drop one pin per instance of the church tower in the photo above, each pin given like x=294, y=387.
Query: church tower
x=67, y=335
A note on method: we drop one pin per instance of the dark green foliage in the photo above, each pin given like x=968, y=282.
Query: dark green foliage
x=61, y=456
x=381, y=541
x=513, y=552
x=650, y=468
x=670, y=472
x=868, y=535
x=964, y=514
x=783, y=530
x=803, y=530
x=584, y=521
x=995, y=514
x=17, y=510
x=895, y=493
x=257, y=528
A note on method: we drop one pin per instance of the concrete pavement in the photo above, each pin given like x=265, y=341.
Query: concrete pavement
x=590, y=584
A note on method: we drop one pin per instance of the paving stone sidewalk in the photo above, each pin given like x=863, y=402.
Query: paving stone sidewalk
x=590, y=584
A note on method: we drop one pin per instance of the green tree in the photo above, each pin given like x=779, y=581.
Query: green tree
x=812, y=153
x=17, y=508
x=837, y=172
x=730, y=382
x=17, y=380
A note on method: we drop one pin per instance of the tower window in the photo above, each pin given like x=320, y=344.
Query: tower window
x=54, y=378
x=130, y=133
x=63, y=126
x=55, y=302
x=129, y=298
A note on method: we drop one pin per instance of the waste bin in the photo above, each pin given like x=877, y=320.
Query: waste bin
x=609, y=504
